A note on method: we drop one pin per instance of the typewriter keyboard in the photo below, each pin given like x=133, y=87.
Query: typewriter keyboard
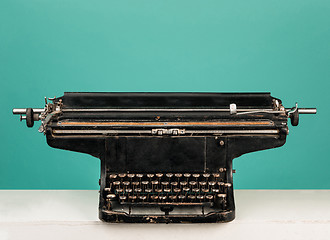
x=168, y=188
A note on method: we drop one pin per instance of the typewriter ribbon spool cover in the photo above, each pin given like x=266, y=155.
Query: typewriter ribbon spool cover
x=165, y=157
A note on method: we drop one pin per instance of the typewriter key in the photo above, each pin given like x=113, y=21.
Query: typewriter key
x=113, y=176
x=195, y=190
x=169, y=175
x=122, y=198
x=135, y=184
x=132, y=197
x=119, y=190
x=162, y=197
x=158, y=190
x=154, y=197
x=167, y=190
x=128, y=190
x=122, y=175
x=181, y=197
x=186, y=189
x=212, y=183
x=176, y=190
x=111, y=196
x=192, y=183
x=209, y=197
x=139, y=175
x=200, y=197
x=215, y=190
x=142, y=198
x=148, y=190
x=196, y=175
x=107, y=189
x=116, y=183
x=205, y=190
x=150, y=175
x=173, y=197
x=183, y=183
x=137, y=190
x=192, y=197
x=126, y=183
x=206, y=175
x=131, y=175
x=165, y=183
x=159, y=175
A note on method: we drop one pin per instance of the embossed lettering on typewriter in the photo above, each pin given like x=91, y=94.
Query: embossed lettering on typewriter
x=165, y=157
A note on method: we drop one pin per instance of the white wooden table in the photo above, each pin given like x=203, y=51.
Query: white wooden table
x=72, y=214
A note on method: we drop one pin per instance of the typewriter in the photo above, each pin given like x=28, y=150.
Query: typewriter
x=165, y=157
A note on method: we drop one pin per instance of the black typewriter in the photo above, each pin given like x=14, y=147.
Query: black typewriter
x=165, y=157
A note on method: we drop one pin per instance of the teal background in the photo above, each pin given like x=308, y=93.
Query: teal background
x=48, y=47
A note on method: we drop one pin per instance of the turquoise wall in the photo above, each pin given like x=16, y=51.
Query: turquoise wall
x=48, y=47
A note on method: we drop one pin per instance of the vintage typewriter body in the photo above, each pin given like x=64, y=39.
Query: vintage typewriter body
x=165, y=157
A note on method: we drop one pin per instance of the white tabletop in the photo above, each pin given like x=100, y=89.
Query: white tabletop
x=72, y=214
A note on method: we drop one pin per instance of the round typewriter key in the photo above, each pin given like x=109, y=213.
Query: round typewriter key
x=142, y=198
x=159, y=175
x=192, y=197
x=162, y=197
x=145, y=182
x=216, y=175
x=202, y=183
x=139, y=175
x=154, y=197
x=116, y=183
x=135, y=183
x=196, y=175
x=165, y=183
x=209, y=197
x=122, y=175
x=150, y=175
x=122, y=198
x=183, y=183
x=172, y=197
x=126, y=183
x=205, y=190
x=154, y=182
x=200, y=197
x=113, y=176
x=128, y=190
x=186, y=189
x=158, y=190
x=119, y=190
x=187, y=175
x=131, y=175
x=132, y=197
x=107, y=189
x=169, y=175
x=174, y=183
x=221, y=183
x=111, y=196
x=148, y=190
x=178, y=175
x=192, y=183
x=181, y=197
x=223, y=196
x=137, y=190
x=167, y=190
x=212, y=183
x=196, y=190
x=227, y=185
x=206, y=175
x=176, y=190
x=215, y=190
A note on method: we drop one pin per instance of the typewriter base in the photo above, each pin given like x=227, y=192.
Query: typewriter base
x=212, y=217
